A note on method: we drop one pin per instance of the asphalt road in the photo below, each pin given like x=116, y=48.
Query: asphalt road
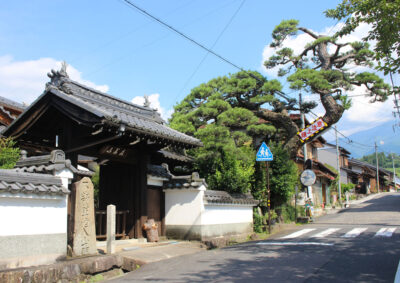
x=360, y=244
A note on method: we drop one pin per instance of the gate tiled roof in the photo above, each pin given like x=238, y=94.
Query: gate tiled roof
x=21, y=182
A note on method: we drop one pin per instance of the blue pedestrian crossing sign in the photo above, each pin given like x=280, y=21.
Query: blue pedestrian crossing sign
x=264, y=153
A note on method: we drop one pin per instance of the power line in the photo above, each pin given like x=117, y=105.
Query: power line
x=350, y=141
x=122, y=36
x=144, y=12
x=396, y=101
x=206, y=55
x=146, y=45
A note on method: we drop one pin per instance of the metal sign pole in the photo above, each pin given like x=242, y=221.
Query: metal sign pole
x=265, y=154
x=269, y=200
x=295, y=204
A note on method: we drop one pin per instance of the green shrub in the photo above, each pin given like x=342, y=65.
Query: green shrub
x=287, y=213
x=9, y=153
x=257, y=222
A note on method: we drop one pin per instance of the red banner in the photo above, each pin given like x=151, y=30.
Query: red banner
x=312, y=130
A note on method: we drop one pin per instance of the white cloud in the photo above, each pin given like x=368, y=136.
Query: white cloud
x=154, y=103
x=368, y=114
x=24, y=81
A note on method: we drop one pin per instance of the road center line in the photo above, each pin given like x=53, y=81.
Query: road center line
x=298, y=233
x=294, y=244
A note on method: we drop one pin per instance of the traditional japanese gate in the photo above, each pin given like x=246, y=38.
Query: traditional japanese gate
x=122, y=136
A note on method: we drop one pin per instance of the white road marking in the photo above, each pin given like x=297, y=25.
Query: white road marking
x=354, y=233
x=298, y=233
x=325, y=233
x=397, y=278
x=385, y=232
x=294, y=244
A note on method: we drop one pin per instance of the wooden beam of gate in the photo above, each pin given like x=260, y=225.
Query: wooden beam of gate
x=94, y=143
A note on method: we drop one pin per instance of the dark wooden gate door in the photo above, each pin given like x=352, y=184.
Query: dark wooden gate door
x=118, y=186
x=155, y=207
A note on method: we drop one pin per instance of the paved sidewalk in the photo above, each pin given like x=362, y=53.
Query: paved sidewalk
x=163, y=250
x=367, y=198
x=129, y=256
x=352, y=202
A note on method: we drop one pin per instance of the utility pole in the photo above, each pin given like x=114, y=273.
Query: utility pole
x=394, y=172
x=303, y=125
x=377, y=166
x=338, y=166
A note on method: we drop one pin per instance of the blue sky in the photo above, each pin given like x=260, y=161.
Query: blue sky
x=112, y=47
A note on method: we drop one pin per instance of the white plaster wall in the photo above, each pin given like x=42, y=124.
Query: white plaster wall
x=66, y=176
x=226, y=214
x=183, y=207
x=155, y=181
x=327, y=155
x=23, y=214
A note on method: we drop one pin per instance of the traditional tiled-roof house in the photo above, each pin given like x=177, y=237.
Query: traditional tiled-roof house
x=321, y=192
x=9, y=111
x=123, y=137
x=321, y=189
x=327, y=155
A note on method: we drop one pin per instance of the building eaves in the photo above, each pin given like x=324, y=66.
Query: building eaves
x=143, y=120
x=342, y=149
x=7, y=113
x=55, y=161
x=176, y=156
x=185, y=182
x=158, y=171
x=222, y=197
x=12, y=104
x=370, y=166
x=20, y=182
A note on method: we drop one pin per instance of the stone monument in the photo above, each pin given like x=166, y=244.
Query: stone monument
x=110, y=229
x=84, y=232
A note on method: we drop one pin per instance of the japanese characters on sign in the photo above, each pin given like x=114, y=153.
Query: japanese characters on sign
x=312, y=129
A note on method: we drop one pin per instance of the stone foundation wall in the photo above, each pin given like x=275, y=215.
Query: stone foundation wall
x=204, y=232
x=26, y=250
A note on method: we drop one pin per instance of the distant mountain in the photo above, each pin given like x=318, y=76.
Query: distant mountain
x=384, y=133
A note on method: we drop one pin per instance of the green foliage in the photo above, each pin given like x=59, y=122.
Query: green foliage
x=385, y=160
x=322, y=67
x=260, y=222
x=283, y=174
x=218, y=113
x=96, y=186
x=231, y=174
x=287, y=213
x=347, y=187
x=330, y=167
x=384, y=18
x=9, y=153
x=283, y=30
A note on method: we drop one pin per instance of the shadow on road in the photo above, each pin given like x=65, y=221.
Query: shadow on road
x=385, y=204
x=257, y=263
